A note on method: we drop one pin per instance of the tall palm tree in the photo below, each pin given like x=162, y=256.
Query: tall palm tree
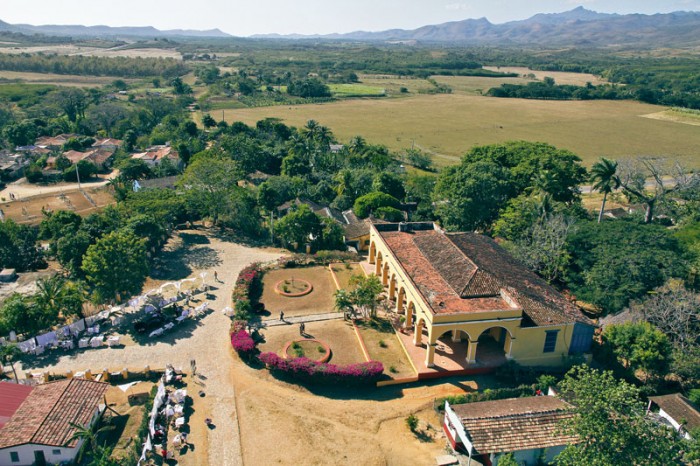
x=88, y=435
x=605, y=180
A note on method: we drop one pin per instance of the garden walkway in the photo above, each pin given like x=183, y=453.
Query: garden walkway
x=300, y=319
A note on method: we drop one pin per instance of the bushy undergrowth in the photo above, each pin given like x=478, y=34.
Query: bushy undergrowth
x=306, y=370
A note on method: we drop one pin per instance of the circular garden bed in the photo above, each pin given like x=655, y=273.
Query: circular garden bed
x=315, y=350
x=293, y=287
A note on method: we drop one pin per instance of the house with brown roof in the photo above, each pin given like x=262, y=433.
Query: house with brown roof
x=675, y=411
x=528, y=427
x=466, y=298
x=37, y=420
x=156, y=154
x=54, y=142
x=108, y=143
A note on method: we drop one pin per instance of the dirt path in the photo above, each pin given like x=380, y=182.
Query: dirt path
x=208, y=344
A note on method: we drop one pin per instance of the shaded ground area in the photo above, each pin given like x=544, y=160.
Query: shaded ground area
x=187, y=251
x=319, y=301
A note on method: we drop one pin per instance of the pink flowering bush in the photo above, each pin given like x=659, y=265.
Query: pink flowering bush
x=307, y=370
x=243, y=343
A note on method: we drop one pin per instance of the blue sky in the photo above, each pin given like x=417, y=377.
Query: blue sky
x=243, y=18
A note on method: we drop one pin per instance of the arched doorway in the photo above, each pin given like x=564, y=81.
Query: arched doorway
x=493, y=346
x=400, y=300
x=372, y=253
x=385, y=274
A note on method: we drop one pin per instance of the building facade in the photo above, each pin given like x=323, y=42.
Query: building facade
x=465, y=287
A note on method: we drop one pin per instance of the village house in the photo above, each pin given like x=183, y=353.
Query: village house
x=153, y=156
x=463, y=294
x=12, y=165
x=108, y=143
x=675, y=411
x=100, y=157
x=54, y=142
x=35, y=422
x=528, y=427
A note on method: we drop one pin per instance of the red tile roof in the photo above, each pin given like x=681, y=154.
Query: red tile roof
x=679, y=408
x=467, y=272
x=515, y=424
x=45, y=415
x=12, y=395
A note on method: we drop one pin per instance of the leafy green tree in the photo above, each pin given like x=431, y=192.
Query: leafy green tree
x=468, y=197
x=419, y=189
x=18, y=248
x=364, y=205
x=295, y=165
x=507, y=459
x=20, y=134
x=58, y=224
x=208, y=181
x=363, y=295
x=605, y=180
x=115, y=267
x=299, y=226
x=610, y=422
x=73, y=102
x=419, y=159
x=389, y=183
x=208, y=121
x=134, y=169
x=639, y=346
x=332, y=235
x=311, y=87
x=85, y=169
x=615, y=262
x=277, y=190
x=241, y=212
x=390, y=214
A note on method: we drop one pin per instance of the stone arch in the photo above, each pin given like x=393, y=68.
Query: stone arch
x=494, y=345
x=410, y=314
x=385, y=274
x=392, y=287
x=379, y=263
x=399, y=300
x=372, y=252
x=418, y=332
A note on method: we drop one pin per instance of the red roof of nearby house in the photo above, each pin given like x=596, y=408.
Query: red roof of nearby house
x=515, y=424
x=108, y=142
x=45, y=415
x=75, y=156
x=12, y=395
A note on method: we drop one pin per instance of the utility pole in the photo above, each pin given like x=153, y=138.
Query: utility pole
x=77, y=174
x=272, y=233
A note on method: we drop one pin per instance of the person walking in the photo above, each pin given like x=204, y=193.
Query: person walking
x=281, y=316
x=302, y=329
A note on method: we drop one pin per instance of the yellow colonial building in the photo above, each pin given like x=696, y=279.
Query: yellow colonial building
x=465, y=288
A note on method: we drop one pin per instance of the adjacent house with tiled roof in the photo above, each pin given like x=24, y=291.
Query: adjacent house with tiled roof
x=465, y=287
x=156, y=154
x=38, y=427
x=108, y=143
x=529, y=427
x=677, y=411
x=54, y=142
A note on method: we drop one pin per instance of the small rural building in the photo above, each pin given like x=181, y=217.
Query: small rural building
x=108, y=143
x=464, y=288
x=527, y=427
x=156, y=154
x=675, y=411
x=166, y=182
x=54, y=142
x=35, y=421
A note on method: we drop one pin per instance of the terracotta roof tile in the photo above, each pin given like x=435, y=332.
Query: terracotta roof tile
x=679, y=408
x=45, y=415
x=468, y=272
x=515, y=424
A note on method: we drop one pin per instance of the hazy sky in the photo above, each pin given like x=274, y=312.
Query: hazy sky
x=243, y=18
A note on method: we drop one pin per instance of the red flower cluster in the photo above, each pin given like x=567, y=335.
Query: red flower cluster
x=243, y=343
x=306, y=369
x=246, y=280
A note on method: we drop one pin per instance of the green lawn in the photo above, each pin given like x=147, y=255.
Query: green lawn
x=356, y=90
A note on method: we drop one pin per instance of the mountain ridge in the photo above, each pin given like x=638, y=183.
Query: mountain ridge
x=578, y=26
x=108, y=31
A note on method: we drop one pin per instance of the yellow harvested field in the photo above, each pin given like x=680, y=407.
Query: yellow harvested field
x=560, y=77
x=676, y=116
x=449, y=125
x=59, y=79
x=150, y=52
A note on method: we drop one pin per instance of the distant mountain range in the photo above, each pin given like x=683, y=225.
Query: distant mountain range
x=107, y=31
x=576, y=27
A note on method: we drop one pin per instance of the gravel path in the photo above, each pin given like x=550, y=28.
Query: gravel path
x=207, y=344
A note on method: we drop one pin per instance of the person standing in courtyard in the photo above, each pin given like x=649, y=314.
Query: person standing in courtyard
x=302, y=328
x=281, y=316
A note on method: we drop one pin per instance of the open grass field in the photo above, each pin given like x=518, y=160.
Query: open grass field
x=560, y=77
x=120, y=51
x=344, y=272
x=476, y=85
x=449, y=125
x=382, y=345
x=356, y=90
x=59, y=79
x=29, y=210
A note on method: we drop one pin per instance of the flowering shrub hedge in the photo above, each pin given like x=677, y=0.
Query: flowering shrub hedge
x=244, y=344
x=307, y=370
x=248, y=281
